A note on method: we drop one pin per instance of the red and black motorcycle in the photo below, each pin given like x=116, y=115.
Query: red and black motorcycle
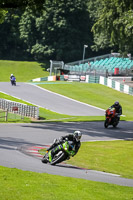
x=111, y=118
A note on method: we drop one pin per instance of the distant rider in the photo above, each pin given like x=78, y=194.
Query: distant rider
x=12, y=78
x=118, y=109
x=75, y=138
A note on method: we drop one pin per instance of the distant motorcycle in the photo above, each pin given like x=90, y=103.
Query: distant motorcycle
x=111, y=118
x=66, y=151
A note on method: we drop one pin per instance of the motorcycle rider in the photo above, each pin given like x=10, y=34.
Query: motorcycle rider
x=75, y=138
x=118, y=109
x=12, y=78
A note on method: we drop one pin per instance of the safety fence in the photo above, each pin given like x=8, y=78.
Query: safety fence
x=110, y=83
x=81, y=78
x=4, y=114
x=116, y=85
x=92, y=79
x=19, y=108
x=39, y=79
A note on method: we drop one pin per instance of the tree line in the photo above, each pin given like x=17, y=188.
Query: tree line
x=58, y=29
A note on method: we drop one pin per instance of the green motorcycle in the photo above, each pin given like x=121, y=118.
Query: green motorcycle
x=65, y=150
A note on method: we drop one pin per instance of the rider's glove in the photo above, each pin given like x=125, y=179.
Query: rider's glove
x=55, y=141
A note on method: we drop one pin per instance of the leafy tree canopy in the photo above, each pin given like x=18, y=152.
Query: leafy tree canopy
x=113, y=24
x=20, y=3
x=59, y=31
x=2, y=15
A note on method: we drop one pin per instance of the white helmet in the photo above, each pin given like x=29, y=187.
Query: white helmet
x=77, y=135
x=11, y=74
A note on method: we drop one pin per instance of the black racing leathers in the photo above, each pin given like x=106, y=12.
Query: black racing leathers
x=70, y=137
x=118, y=109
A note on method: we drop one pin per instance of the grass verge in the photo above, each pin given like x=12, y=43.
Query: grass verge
x=108, y=156
x=22, y=70
x=12, y=117
x=24, y=185
x=95, y=95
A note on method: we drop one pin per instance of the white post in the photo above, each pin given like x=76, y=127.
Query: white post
x=50, y=67
x=85, y=46
x=62, y=64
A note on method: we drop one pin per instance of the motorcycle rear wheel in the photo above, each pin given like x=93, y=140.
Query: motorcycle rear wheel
x=115, y=124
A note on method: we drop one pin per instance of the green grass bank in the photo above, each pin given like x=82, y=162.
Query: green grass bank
x=95, y=95
x=24, y=185
x=23, y=71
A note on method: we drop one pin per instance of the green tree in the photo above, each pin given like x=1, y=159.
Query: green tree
x=2, y=15
x=113, y=25
x=27, y=29
x=21, y=3
x=58, y=31
x=11, y=47
x=45, y=29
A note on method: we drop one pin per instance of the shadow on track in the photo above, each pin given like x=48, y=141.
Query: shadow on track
x=91, y=129
x=10, y=143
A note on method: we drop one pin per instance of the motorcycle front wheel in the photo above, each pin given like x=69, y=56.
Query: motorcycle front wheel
x=58, y=158
x=106, y=123
x=44, y=159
